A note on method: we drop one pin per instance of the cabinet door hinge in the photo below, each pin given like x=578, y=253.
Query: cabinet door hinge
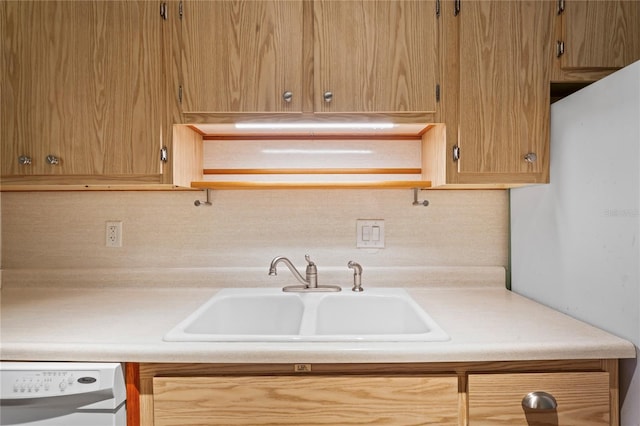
x=456, y=7
x=456, y=153
x=180, y=93
x=560, y=7
x=559, y=48
x=180, y=10
x=164, y=154
x=437, y=92
x=163, y=11
x=437, y=8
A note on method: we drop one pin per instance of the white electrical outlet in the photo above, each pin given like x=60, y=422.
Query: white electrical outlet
x=114, y=234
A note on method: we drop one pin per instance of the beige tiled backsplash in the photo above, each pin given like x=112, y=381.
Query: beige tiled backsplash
x=163, y=231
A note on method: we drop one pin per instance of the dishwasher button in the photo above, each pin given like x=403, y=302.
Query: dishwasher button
x=63, y=385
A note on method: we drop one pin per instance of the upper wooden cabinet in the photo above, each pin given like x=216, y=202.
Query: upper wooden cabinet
x=240, y=56
x=81, y=82
x=307, y=56
x=375, y=56
x=92, y=95
x=595, y=37
x=495, y=94
x=504, y=95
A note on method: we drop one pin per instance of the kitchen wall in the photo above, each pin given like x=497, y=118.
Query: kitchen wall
x=58, y=238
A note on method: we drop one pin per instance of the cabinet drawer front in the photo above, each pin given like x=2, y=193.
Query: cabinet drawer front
x=317, y=400
x=496, y=399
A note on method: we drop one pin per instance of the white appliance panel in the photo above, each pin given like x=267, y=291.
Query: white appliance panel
x=575, y=242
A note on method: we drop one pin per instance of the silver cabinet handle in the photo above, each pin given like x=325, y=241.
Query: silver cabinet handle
x=328, y=97
x=24, y=160
x=530, y=157
x=287, y=96
x=539, y=401
x=456, y=153
x=53, y=160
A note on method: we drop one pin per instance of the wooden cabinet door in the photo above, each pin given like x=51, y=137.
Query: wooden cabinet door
x=81, y=81
x=36, y=83
x=241, y=56
x=496, y=399
x=118, y=65
x=375, y=56
x=600, y=34
x=503, y=98
x=309, y=400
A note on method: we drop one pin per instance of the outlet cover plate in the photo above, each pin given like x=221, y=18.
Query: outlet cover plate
x=113, y=234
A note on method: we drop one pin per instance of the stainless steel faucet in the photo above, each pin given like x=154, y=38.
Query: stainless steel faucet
x=357, y=275
x=310, y=283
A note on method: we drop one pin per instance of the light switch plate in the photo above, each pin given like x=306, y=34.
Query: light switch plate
x=370, y=233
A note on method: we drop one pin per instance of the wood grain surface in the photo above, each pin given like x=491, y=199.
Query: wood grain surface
x=273, y=400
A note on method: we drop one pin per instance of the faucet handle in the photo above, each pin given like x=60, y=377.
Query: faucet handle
x=312, y=272
x=311, y=267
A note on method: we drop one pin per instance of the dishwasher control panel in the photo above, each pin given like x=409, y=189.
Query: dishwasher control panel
x=39, y=393
x=22, y=380
x=29, y=384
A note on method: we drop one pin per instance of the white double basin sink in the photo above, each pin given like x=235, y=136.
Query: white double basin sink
x=271, y=315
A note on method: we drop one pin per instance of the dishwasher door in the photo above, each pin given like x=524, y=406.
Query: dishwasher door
x=62, y=394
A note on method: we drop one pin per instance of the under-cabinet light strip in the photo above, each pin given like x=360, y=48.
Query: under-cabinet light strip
x=314, y=126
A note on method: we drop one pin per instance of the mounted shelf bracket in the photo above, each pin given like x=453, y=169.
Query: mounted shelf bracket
x=199, y=203
x=423, y=203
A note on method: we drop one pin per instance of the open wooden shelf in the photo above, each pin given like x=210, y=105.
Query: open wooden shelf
x=312, y=185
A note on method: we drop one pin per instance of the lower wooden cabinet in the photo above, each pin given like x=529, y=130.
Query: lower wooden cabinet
x=582, y=399
x=311, y=400
x=448, y=393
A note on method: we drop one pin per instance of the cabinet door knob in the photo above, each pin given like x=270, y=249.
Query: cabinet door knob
x=287, y=96
x=530, y=157
x=456, y=153
x=539, y=401
x=328, y=97
x=53, y=160
x=24, y=160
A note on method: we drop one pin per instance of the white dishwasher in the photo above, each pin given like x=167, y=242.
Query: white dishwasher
x=62, y=394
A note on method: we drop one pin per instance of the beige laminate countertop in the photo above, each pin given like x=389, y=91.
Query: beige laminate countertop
x=125, y=324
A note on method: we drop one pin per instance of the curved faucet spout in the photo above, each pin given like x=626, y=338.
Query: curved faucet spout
x=294, y=271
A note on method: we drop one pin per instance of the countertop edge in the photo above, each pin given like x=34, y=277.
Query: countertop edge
x=128, y=325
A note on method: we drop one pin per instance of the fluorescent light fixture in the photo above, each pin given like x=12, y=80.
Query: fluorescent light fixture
x=314, y=126
x=316, y=151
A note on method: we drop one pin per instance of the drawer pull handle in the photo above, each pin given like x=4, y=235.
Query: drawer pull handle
x=539, y=401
